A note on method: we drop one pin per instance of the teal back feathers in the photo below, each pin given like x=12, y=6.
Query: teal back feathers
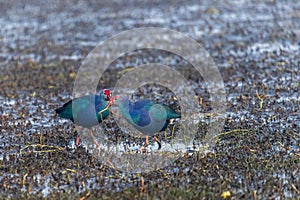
x=84, y=111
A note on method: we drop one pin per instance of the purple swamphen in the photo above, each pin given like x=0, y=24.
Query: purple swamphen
x=87, y=111
x=146, y=116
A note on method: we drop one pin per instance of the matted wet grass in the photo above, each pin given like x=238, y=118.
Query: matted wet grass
x=251, y=159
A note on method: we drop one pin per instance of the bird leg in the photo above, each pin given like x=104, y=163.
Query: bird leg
x=157, y=141
x=145, y=145
x=92, y=135
x=78, y=139
x=95, y=141
x=147, y=141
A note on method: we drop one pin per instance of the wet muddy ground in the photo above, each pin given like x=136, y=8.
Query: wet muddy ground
x=256, y=47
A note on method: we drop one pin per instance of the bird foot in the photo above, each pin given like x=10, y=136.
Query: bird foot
x=143, y=149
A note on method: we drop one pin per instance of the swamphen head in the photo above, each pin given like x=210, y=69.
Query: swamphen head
x=87, y=111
